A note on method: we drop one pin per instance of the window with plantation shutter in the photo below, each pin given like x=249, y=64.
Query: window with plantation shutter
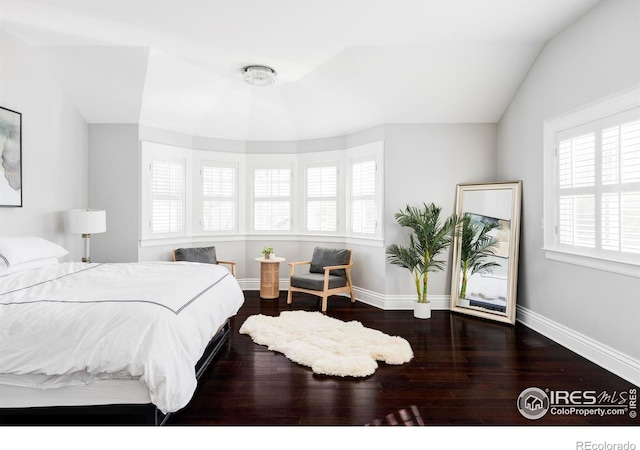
x=272, y=199
x=322, y=198
x=363, y=197
x=167, y=196
x=592, y=185
x=190, y=196
x=219, y=185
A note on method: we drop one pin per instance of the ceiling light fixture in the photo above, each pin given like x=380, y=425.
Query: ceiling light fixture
x=259, y=75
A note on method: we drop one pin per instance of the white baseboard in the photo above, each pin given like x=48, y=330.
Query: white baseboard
x=369, y=297
x=398, y=302
x=253, y=284
x=612, y=360
x=395, y=302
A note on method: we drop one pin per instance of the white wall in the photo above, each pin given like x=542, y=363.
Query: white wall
x=54, y=149
x=597, y=312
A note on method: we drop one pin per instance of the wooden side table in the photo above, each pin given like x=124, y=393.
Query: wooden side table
x=270, y=277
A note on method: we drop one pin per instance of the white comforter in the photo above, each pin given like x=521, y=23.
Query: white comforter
x=72, y=323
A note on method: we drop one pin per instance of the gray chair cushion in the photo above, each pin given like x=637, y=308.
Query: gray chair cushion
x=315, y=281
x=329, y=257
x=197, y=254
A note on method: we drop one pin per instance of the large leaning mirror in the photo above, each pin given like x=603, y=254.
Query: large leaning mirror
x=485, y=254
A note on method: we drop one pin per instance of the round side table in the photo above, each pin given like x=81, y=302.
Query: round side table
x=270, y=277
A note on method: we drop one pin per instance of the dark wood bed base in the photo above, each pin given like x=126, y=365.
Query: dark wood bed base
x=114, y=414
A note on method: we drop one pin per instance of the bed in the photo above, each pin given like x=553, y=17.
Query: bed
x=107, y=335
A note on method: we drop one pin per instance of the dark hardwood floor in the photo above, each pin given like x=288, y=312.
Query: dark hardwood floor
x=466, y=371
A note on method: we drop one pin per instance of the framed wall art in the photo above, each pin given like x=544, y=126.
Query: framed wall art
x=10, y=157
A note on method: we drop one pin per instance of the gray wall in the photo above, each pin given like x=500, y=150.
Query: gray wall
x=114, y=173
x=423, y=163
x=54, y=149
x=596, y=57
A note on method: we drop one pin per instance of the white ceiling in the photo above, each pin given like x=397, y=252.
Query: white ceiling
x=343, y=65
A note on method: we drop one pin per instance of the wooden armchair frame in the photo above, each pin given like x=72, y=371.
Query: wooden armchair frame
x=326, y=292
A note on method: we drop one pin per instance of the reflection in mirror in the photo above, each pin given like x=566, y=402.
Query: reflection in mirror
x=485, y=254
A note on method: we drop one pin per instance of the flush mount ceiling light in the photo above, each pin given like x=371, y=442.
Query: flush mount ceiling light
x=259, y=75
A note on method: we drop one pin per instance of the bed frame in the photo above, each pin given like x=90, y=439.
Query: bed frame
x=113, y=413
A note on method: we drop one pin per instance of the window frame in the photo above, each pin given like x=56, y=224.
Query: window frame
x=590, y=116
x=246, y=163
x=337, y=198
x=278, y=164
x=368, y=152
x=151, y=152
x=199, y=197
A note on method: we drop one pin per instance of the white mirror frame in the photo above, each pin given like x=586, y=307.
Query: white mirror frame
x=498, y=201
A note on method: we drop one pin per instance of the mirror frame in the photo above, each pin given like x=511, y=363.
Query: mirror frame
x=514, y=243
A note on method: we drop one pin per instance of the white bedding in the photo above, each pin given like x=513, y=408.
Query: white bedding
x=73, y=323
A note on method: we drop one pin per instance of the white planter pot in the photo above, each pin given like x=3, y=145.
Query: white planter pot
x=422, y=310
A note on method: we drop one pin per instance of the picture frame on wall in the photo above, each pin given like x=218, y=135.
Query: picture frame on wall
x=10, y=158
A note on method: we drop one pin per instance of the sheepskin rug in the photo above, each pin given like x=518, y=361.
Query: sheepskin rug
x=329, y=346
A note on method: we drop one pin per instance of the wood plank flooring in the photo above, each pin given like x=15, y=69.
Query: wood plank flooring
x=466, y=371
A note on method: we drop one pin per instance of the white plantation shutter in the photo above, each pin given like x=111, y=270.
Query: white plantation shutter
x=598, y=187
x=219, y=197
x=363, y=197
x=630, y=220
x=167, y=196
x=272, y=199
x=322, y=198
x=621, y=183
x=577, y=215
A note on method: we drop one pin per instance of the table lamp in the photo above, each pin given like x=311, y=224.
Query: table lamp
x=87, y=222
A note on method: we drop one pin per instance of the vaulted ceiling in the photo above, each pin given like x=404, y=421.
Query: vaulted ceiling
x=343, y=65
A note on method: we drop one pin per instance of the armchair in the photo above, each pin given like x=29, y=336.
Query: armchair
x=329, y=274
x=203, y=255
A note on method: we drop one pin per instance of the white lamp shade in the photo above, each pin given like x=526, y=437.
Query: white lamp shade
x=87, y=221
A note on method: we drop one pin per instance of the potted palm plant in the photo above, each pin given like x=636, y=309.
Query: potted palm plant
x=476, y=245
x=429, y=238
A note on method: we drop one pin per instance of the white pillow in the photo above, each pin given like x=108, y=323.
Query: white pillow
x=29, y=265
x=21, y=249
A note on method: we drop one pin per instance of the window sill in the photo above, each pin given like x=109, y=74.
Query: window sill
x=192, y=240
x=620, y=267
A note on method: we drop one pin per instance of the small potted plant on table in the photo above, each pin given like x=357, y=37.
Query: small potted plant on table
x=268, y=252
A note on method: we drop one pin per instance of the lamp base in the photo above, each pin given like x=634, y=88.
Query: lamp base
x=87, y=246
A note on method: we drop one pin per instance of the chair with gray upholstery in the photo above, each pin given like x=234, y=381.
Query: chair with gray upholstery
x=202, y=255
x=329, y=274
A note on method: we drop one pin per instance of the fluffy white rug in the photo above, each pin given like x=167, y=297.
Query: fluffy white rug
x=329, y=346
